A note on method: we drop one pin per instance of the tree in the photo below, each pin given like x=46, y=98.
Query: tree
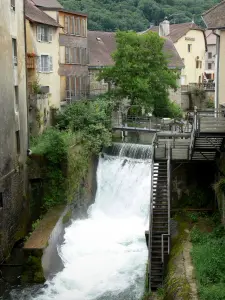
x=140, y=72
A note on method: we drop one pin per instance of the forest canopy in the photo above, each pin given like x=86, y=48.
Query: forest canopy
x=110, y=15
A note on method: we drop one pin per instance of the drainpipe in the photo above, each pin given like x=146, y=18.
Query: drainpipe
x=217, y=68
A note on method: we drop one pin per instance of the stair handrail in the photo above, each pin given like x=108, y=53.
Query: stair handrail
x=151, y=214
x=169, y=149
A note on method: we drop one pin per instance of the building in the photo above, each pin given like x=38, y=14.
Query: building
x=102, y=44
x=214, y=19
x=73, y=58
x=190, y=42
x=14, y=210
x=210, y=55
x=42, y=39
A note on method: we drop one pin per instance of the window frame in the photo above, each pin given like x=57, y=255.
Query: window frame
x=44, y=31
x=49, y=63
x=210, y=64
x=209, y=55
x=14, y=49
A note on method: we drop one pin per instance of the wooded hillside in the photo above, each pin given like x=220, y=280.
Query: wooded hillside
x=109, y=15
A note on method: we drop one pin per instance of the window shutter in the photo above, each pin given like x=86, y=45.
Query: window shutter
x=39, y=30
x=75, y=55
x=68, y=18
x=50, y=63
x=73, y=25
x=66, y=55
x=50, y=33
x=39, y=63
x=66, y=24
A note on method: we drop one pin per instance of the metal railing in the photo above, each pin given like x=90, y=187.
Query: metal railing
x=151, y=216
x=168, y=205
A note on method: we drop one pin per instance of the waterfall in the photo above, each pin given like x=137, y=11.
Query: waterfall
x=105, y=255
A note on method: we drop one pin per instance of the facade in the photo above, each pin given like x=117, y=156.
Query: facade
x=13, y=127
x=210, y=55
x=42, y=39
x=73, y=53
x=74, y=57
x=190, y=42
x=102, y=44
x=214, y=19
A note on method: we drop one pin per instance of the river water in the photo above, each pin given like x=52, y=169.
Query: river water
x=105, y=256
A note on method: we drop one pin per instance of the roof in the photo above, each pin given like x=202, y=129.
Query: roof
x=72, y=12
x=102, y=44
x=178, y=30
x=47, y=3
x=36, y=15
x=215, y=17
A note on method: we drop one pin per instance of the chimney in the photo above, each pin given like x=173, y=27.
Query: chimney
x=164, y=28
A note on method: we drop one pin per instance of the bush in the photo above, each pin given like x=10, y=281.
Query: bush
x=209, y=261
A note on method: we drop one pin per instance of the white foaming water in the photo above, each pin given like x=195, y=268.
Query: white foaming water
x=105, y=255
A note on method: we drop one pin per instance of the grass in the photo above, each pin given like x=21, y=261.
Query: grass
x=208, y=254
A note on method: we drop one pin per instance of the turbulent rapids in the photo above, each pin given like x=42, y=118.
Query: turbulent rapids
x=105, y=255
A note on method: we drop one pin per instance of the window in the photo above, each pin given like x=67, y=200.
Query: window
x=13, y=5
x=72, y=25
x=76, y=87
x=209, y=66
x=1, y=200
x=18, y=142
x=45, y=64
x=209, y=55
x=14, y=49
x=16, y=98
x=44, y=33
x=189, y=47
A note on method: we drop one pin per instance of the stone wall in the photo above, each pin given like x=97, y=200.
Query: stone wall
x=13, y=128
x=189, y=101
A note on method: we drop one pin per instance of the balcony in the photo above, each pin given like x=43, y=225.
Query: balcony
x=31, y=61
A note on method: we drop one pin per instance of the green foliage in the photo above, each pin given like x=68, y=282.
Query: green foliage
x=140, y=72
x=111, y=15
x=82, y=129
x=169, y=109
x=91, y=119
x=208, y=258
x=197, y=198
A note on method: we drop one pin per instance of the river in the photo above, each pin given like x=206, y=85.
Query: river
x=105, y=255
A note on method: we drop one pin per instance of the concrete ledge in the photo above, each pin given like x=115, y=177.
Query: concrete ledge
x=40, y=236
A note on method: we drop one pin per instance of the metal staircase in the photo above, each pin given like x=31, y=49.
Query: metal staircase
x=159, y=237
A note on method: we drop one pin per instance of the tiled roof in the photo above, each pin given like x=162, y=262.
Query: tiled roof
x=177, y=30
x=47, y=3
x=215, y=16
x=102, y=44
x=36, y=15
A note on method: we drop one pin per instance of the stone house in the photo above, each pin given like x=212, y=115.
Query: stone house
x=214, y=19
x=190, y=42
x=102, y=44
x=14, y=209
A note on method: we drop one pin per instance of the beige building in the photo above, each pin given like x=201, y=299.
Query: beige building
x=102, y=44
x=214, y=19
x=73, y=54
x=14, y=210
x=190, y=42
x=210, y=55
